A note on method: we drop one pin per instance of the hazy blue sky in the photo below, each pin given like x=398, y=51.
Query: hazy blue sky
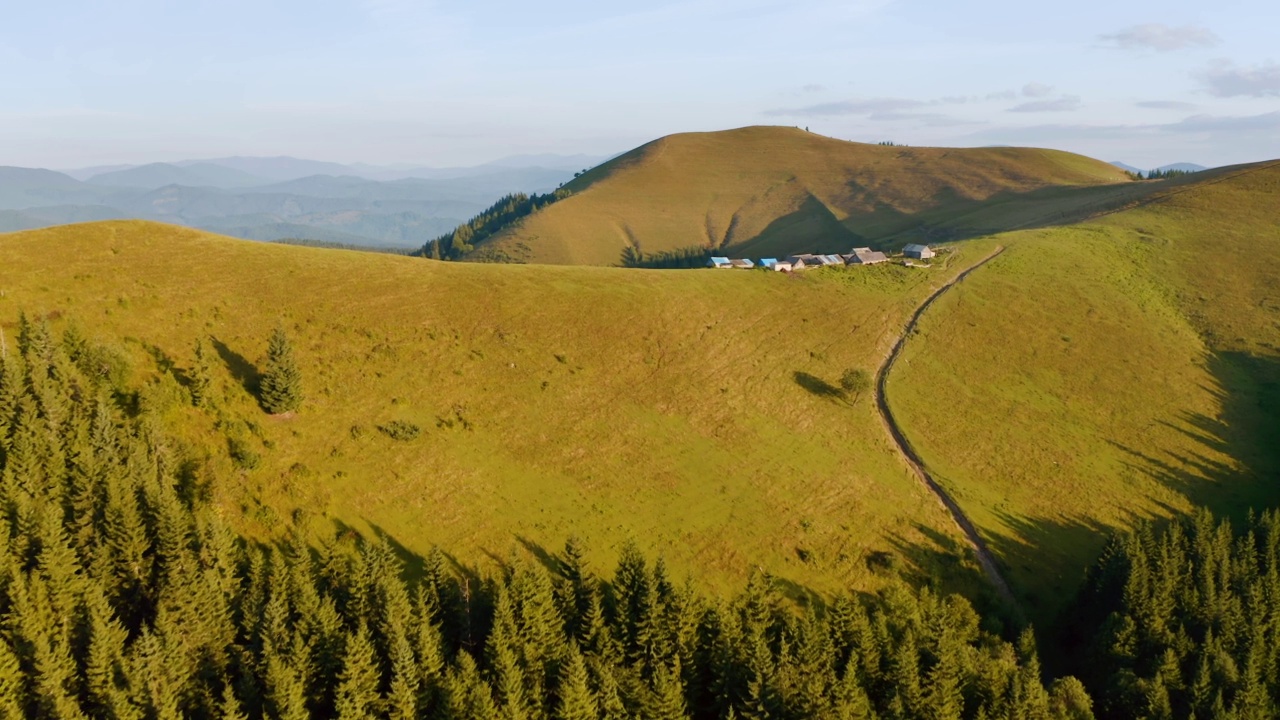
x=87, y=82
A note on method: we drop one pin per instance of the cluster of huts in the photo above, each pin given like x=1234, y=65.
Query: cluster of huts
x=857, y=256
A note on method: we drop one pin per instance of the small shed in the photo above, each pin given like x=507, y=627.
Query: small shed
x=865, y=256
x=783, y=266
x=919, y=252
x=719, y=262
x=742, y=264
x=830, y=259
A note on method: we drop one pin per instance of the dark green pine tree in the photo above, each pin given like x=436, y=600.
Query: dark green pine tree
x=667, y=700
x=576, y=702
x=280, y=390
x=201, y=374
x=358, y=695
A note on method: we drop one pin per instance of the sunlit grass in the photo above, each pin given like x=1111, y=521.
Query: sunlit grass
x=1093, y=376
x=606, y=403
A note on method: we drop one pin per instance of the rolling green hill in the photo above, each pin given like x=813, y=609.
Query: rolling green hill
x=771, y=191
x=1108, y=372
x=691, y=411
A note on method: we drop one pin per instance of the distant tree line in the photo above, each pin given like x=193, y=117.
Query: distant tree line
x=124, y=594
x=1168, y=174
x=1159, y=174
x=461, y=240
x=690, y=257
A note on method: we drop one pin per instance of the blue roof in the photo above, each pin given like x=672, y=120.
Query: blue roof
x=719, y=259
x=769, y=262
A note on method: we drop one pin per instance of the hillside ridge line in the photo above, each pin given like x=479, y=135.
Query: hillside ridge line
x=917, y=465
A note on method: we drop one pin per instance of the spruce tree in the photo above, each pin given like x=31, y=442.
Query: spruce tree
x=667, y=700
x=577, y=702
x=280, y=390
x=201, y=374
x=358, y=695
x=12, y=687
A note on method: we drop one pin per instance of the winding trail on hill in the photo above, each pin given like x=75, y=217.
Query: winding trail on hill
x=913, y=459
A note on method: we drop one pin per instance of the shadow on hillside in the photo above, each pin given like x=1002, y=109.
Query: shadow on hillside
x=945, y=564
x=1247, y=388
x=945, y=217
x=1036, y=555
x=949, y=216
x=244, y=372
x=811, y=226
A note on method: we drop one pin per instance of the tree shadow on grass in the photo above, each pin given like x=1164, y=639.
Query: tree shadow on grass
x=244, y=372
x=546, y=558
x=818, y=387
x=1045, y=559
x=1247, y=429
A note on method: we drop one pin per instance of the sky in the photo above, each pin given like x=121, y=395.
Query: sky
x=451, y=82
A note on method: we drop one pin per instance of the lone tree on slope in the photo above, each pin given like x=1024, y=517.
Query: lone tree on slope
x=280, y=390
x=855, y=382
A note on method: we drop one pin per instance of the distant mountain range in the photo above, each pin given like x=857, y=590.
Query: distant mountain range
x=1185, y=167
x=280, y=197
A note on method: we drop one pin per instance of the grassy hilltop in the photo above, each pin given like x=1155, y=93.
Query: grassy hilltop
x=691, y=411
x=764, y=191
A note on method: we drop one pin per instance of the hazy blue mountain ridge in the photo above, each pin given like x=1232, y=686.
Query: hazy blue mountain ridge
x=276, y=198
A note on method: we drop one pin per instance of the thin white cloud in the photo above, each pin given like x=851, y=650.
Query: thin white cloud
x=849, y=107
x=1226, y=79
x=938, y=120
x=1266, y=123
x=1066, y=103
x=1167, y=105
x=813, y=88
x=1036, y=90
x=1056, y=134
x=1160, y=37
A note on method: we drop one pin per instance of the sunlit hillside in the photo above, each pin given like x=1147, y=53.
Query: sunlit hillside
x=695, y=412
x=1105, y=373
x=772, y=191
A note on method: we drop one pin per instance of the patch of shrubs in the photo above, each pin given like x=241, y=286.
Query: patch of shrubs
x=243, y=453
x=400, y=430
